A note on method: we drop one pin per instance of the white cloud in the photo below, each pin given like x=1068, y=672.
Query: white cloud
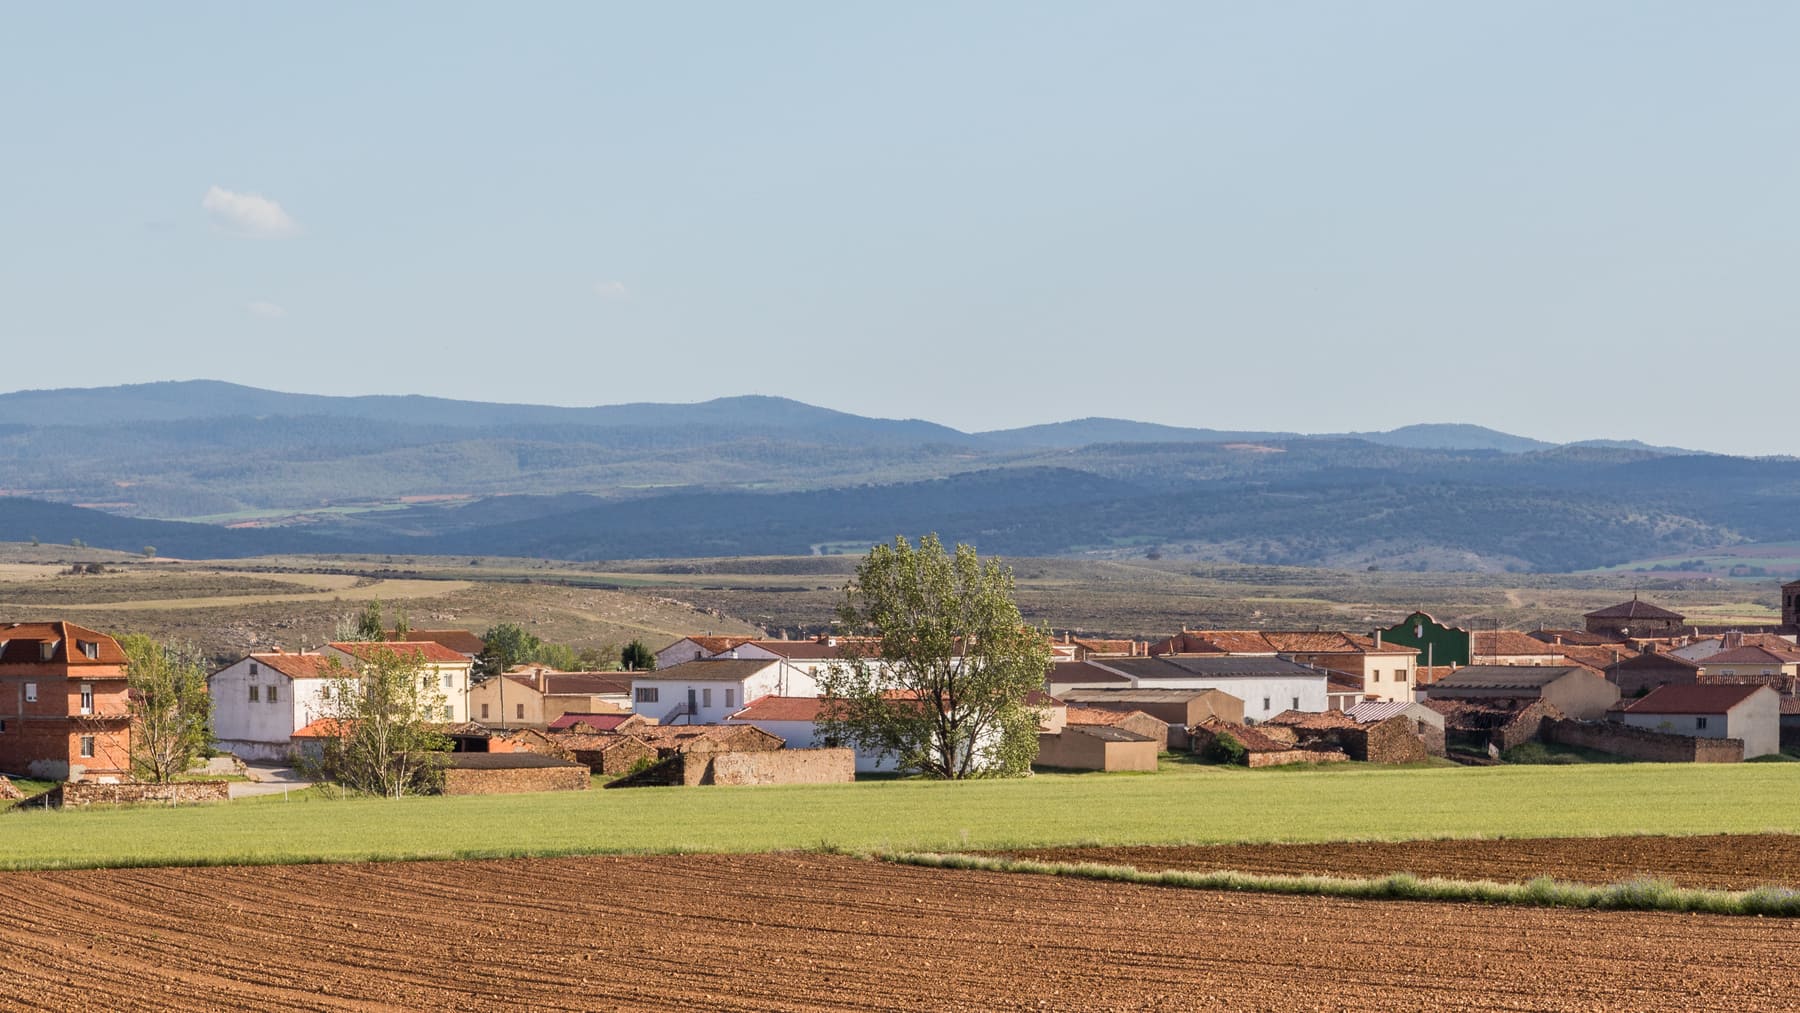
x=611, y=289
x=266, y=310
x=248, y=214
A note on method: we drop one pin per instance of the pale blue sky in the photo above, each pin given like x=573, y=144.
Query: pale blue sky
x=1561, y=219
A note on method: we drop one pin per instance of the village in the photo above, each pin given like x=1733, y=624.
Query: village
x=1636, y=683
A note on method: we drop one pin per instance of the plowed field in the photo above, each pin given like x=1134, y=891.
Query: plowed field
x=1724, y=862
x=806, y=932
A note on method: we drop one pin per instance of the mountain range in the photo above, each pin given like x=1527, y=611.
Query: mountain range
x=205, y=468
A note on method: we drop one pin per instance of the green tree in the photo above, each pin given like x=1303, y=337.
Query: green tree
x=171, y=712
x=943, y=681
x=149, y=552
x=369, y=624
x=600, y=659
x=383, y=714
x=561, y=657
x=402, y=624
x=503, y=646
x=637, y=657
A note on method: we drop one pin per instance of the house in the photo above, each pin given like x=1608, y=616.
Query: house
x=1493, y=724
x=1636, y=619
x=1266, y=685
x=794, y=720
x=1424, y=722
x=461, y=641
x=685, y=754
x=1137, y=722
x=535, y=697
x=262, y=699
x=694, y=648
x=1575, y=691
x=1342, y=692
x=1381, y=670
x=1705, y=647
x=704, y=692
x=445, y=669
x=1750, y=713
x=1595, y=658
x=1081, y=746
x=64, y=710
x=1179, y=709
x=1638, y=675
x=1434, y=643
x=1769, y=666
x=1511, y=647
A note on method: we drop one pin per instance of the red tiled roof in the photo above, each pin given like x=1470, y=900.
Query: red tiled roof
x=324, y=728
x=18, y=644
x=1312, y=719
x=781, y=708
x=598, y=722
x=715, y=645
x=1598, y=658
x=1634, y=609
x=1702, y=698
x=1506, y=643
x=427, y=650
x=1252, y=740
x=299, y=666
x=460, y=641
x=1096, y=646
x=1750, y=655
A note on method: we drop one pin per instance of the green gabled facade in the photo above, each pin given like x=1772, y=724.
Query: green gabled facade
x=1436, y=643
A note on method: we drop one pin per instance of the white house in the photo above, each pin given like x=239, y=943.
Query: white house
x=1267, y=686
x=792, y=718
x=1713, y=711
x=703, y=692
x=262, y=699
x=802, y=662
x=696, y=648
x=446, y=669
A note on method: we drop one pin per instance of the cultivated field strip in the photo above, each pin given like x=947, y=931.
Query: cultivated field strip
x=1713, y=861
x=813, y=932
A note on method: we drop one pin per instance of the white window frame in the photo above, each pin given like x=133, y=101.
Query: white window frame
x=87, y=698
x=31, y=692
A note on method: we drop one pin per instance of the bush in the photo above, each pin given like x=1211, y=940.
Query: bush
x=1225, y=748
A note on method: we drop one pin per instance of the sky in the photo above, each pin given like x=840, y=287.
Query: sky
x=1562, y=220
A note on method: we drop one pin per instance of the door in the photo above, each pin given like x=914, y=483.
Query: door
x=692, y=706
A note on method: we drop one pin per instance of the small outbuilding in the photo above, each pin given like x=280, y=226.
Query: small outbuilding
x=1573, y=690
x=1098, y=747
x=1750, y=713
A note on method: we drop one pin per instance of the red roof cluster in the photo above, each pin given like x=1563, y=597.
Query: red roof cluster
x=425, y=650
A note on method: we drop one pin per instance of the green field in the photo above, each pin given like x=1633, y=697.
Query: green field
x=1180, y=805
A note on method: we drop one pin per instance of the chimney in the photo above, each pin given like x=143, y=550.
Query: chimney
x=1377, y=639
x=1733, y=640
x=734, y=653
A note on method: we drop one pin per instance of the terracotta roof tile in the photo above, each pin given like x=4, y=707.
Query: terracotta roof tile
x=427, y=650
x=18, y=644
x=300, y=665
x=1702, y=698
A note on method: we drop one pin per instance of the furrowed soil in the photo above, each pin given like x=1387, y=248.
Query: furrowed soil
x=1722, y=862
x=811, y=932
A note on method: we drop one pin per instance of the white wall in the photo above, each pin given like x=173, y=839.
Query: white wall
x=709, y=697
x=1281, y=691
x=260, y=730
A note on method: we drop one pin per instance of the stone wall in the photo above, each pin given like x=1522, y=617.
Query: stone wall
x=1295, y=756
x=1390, y=741
x=82, y=793
x=784, y=766
x=1641, y=743
x=507, y=781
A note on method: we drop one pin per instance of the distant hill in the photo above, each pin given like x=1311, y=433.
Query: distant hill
x=1454, y=436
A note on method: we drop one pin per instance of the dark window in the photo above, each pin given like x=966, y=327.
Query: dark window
x=484, y=712
x=1296, y=703
x=646, y=694
x=1699, y=722
x=253, y=696
x=521, y=712
x=255, y=669
x=272, y=693
x=1265, y=703
x=87, y=746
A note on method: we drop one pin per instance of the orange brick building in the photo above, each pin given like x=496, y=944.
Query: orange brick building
x=64, y=708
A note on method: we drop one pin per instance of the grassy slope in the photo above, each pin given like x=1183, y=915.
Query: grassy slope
x=1194, y=805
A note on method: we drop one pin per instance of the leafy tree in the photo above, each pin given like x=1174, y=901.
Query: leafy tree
x=561, y=657
x=383, y=713
x=637, y=657
x=149, y=552
x=944, y=680
x=504, y=646
x=171, y=712
x=600, y=659
x=369, y=625
x=402, y=623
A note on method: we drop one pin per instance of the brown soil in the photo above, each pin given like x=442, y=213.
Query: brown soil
x=1734, y=862
x=803, y=932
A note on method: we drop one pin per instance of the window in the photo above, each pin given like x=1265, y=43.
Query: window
x=272, y=693
x=1399, y=675
x=2, y=726
x=87, y=698
x=424, y=682
x=253, y=696
x=31, y=692
x=484, y=712
x=89, y=649
x=1375, y=675
x=87, y=746
x=449, y=713
x=646, y=694
x=1699, y=722
x=255, y=669
x=706, y=697
x=730, y=694
x=447, y=683
x=46, y=650
x=519, y=714
x=325, y=692
x=1296, y=703
x=1265, y=703
x=699, y=654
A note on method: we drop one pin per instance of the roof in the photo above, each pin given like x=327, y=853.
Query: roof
x=1107, y=733
x=598, y=722
x=1312, y=719
x=1504, y=676
x=682, y=736
x=1338, y=687
x=1278, y=642
x=800, y=650
x=781, y=708
x=1134, y=695
x=711, y=644
x=1102, y=716
x=1210, y=667
x=507, y=761
x=324, y=728
x=1598, y=658
x=1750, y=655
x=1578, y=638
x=1099, y=646
x=1506, y=643
x=1790, y=704
x=1654, y=659
x=300, y=666
x=588, y=683
x=424, y=650
x=1634, y=609
x=1370, y=711
x=18, y=644
x=707, y=670
x=597, y=742
x=1704, y=698
x=1084, y=672
x=1252, y=740
x=461, y=641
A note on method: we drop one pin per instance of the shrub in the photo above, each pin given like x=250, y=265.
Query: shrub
x=1225, y=748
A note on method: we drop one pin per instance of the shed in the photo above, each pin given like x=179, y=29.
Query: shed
x=1573, y=690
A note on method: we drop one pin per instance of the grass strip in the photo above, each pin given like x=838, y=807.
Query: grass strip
x=1631, y=895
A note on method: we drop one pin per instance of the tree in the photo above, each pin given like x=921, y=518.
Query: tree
x=369, y=625
x=149, y=552
x=504, y=646
x=942, y=682
x=171, y=712
x=637, y=657
x=382, y=714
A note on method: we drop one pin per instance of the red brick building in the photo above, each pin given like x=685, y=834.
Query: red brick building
x=64, y=710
